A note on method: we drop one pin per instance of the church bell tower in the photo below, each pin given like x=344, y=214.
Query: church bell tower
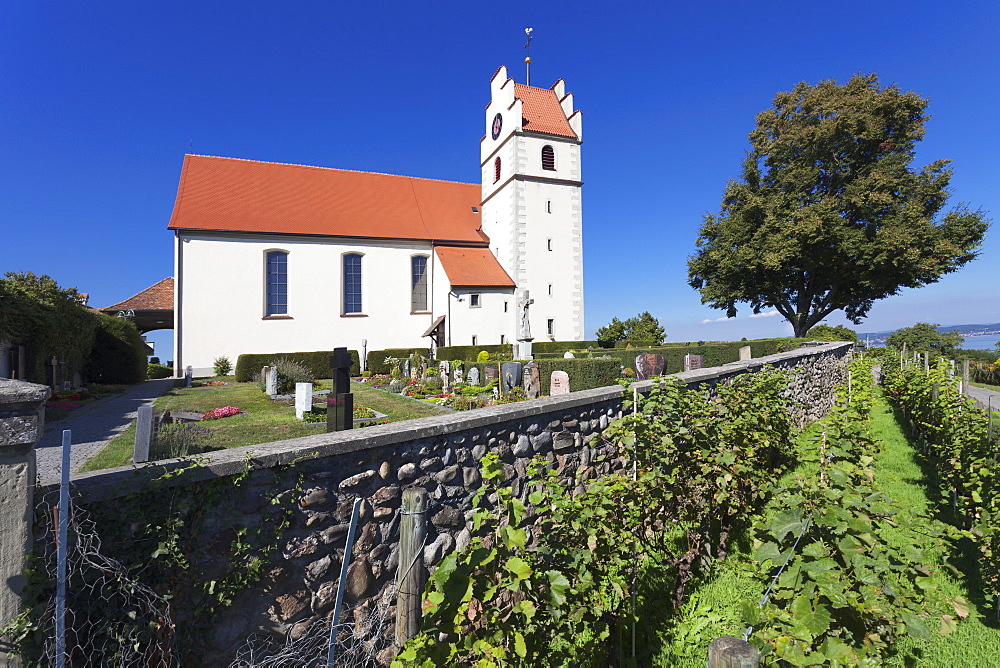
x=532, y=208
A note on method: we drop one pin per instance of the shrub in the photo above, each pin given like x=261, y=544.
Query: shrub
x=318, y=363
x=396, y=386
x=154, y=360
x=222, y=366
x=376, y=358
x=289, y=373
x=483, y=356
x=118, y=355
x=158, y=371
x=181, y=440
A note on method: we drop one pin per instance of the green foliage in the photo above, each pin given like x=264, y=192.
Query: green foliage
x=561, y=346
x=158, y=371
x=118, y=354
x=376, y=358
x=456, y=353
x=925, y=337
x=829, y=333
x=584, y=374
x=853, y=580
x=318, y=363
x=483, y=356
x=643, y=327
x=47, y=319
x=222, y=366
x=827, y=185
x=290, y=372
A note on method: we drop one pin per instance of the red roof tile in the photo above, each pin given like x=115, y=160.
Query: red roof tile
x=542, y=112
x=158, y=297
x=472, y=267
x=249, y=196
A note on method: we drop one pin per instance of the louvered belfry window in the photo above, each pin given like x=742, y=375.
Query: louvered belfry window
x=548, y=157
x=496, y=170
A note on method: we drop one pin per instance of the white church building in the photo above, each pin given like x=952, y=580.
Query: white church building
x=272, y=257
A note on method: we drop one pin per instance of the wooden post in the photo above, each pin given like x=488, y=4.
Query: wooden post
x=411, y=575
x=732, y=652
x=143, y=434
x=965, y=376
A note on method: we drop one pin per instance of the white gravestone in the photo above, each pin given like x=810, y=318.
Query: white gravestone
x=303, y=398
x=559, y=383
x=188, y=376
x=474, y=376
x=745, y=353
x=271, y=386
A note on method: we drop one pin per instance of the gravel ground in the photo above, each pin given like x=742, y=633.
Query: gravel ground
x=92, y=427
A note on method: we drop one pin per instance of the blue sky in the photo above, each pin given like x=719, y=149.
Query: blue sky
x=100, y=101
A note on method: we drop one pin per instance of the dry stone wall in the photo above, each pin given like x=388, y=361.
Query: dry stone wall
x=322, y=476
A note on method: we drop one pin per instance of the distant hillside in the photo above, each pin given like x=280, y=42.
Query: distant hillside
x=964, y=330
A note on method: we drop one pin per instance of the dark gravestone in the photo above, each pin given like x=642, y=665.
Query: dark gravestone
x=532, y=380
x=648, y=365
x=340, y=402
x=489, y=374
x=693, y=362
x=510, y=376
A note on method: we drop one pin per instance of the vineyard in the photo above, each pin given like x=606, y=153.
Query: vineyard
x=732, y=523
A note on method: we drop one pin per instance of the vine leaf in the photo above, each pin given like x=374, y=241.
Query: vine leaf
x=816, y=621
x=784, y=523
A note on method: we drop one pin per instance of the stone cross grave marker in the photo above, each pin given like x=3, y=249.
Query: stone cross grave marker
x=490, y=374
x=510, y=376
x=444, y=369
x=474, y=376
x=271, y=381
x=745, y=353
x=188, y=376
x=693, y=362
x=406, y=368
x=340, y=402
x=532, y=381
x=143, y=434
x=648, y=365
x=559, y=383
x=303, y=399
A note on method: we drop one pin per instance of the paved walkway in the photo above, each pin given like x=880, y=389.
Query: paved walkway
x=93, y=426
x=983, y=397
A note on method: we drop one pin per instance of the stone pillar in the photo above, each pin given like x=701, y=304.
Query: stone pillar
x=22, y=417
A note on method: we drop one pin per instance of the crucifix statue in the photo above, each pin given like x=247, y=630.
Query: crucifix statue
x=525, y=325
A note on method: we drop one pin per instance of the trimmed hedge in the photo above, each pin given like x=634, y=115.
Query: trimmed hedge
x=375, y=362
x=118, y=355
x=584, y=374
x=247, y=366
x=158, y=371
x=461, y=353
x=562, y=346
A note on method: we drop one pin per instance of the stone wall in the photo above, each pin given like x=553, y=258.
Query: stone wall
x=323, y=475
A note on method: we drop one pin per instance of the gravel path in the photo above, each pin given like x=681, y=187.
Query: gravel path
x=93, y=427
x=982, y=396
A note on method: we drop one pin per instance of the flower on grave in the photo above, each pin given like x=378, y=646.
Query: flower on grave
x=216, y=382
x=226, y=411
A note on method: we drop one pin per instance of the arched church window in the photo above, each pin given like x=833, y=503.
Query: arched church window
x=352, y=283
x=548, y=157
x=276, y=282
x=418, y=283
x=496, y=170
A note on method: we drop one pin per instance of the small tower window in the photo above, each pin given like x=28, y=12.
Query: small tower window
x=475, y=339
x=496, y=170
x=548, y=206
x=548, y=243
x=474, y=300
x=550, y=289
x=548, y=157
x=550, y=327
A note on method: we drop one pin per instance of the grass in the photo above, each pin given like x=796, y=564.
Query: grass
x=995, y=388
x=267, y=421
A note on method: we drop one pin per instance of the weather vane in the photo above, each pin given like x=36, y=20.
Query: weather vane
x=527, y=58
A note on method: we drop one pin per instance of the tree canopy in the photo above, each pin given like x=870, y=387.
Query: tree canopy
x=831, y=333
x=925, y=337
x=827, y=214
x=643, y=327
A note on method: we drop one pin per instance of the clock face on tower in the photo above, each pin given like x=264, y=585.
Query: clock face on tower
x=497, y=125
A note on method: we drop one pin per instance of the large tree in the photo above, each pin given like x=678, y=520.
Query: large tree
x=925, y=336
x=828, y=214
x=643, y=327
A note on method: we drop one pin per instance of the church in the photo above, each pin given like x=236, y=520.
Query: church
x=272, y=257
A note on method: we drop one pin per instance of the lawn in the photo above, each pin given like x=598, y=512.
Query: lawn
x=266, y=421
x=995, y=388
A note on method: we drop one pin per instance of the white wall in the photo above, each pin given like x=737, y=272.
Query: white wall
x=220, y=296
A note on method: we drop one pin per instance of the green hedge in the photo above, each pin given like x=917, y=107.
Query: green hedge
x=452, y=353
x=158, y=371
x=561, y=346
x=247, y=366
x=584, y=374
x=119, y=355
x=375, y=361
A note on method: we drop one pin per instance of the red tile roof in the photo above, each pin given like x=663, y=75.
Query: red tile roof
x=236, y=195
x=472, y=267
x=542, y=112
x=158, y=297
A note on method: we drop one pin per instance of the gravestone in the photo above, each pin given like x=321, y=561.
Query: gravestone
x=532, y=380
x=423, y=370
x=474, y=376
x=340, y=402
x=648, y=365
x=569, y=355
x=693, y=362
x=559, y=383
x=510, y=376
x=490, y=374
x=406, y=368
x=143, y=434
x=188, y=376
x=444, y=370
x=496, y=392
x=745, y=354
x=303, y=398
x=271, y=382
x=458, y=375
x=67, y=386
